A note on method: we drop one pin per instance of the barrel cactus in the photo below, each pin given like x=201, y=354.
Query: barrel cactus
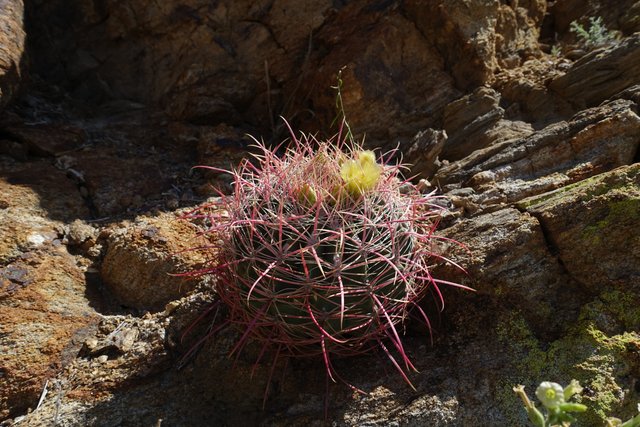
x=323, y=251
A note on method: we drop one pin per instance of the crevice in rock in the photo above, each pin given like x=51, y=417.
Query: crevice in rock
x=269, y=30
x=550, y=244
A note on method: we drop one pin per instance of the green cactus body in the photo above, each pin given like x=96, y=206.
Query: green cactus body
x=328, y=268
x=320, y=253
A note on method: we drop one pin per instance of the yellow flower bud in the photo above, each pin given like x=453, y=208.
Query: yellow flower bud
x=307, y=195
x=360, y=175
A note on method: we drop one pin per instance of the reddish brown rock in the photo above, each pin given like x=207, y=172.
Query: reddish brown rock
x=143, y=261
x=12, y=40
x=243, y=62
x=44, y=139
x=35, y=198
x=45, y=318
x=373, y=102
x=476, y=38
x=525, y=92
x=223, y=69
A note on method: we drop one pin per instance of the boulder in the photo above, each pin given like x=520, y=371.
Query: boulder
x=145, y=261
x=12, y=40
x=506, y=255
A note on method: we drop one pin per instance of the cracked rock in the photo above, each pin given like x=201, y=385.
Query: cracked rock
x=594, y=226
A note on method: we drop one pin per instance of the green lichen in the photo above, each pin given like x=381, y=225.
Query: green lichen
x=514, y=334
x=614, y=310
x=623, y=211
x=597, y=350
x=623, y=181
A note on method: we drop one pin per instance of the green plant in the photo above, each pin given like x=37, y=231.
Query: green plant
x=556, y=402
x=597, y=35
x=556, y=51
x=318, y=252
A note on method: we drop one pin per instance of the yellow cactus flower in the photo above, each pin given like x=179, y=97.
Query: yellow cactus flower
x=360, y=175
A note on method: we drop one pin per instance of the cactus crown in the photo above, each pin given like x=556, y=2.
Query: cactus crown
x=321, y=253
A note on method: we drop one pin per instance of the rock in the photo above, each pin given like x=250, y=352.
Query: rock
x=46, y=316
x=508, y=258
x=259, y=67
x=205, y=63
x=143, y=261
x=220, y=146
x=614, y=18
x=467, y=120
x=12, y=40
x=630, y=21
x=123, y=339
x=126, y=97
x=632, y=93
x=593, y=226
x=600, y=74
x=421, y=153
x=45, y=305
x=35, y=198
x=526, y=94
x=80, y=233
x=594, y=141
x=476, y=38
x=124, y=166
x=44, y=139
x=369, y=84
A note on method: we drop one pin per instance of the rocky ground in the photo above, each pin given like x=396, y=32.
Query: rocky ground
x=532, y=133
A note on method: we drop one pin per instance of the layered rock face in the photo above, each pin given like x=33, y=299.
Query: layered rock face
x=535, y=149
x=12, y=40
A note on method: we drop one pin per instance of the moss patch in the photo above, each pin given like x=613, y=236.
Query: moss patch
x=601, y=350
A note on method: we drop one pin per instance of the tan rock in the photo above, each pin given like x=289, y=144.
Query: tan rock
x=143, y=261
x=34, y=200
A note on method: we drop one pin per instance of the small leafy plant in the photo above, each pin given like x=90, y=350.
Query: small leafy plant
x=557, y=406
x=597, y=35
x=556, y=51
x=555, y=400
